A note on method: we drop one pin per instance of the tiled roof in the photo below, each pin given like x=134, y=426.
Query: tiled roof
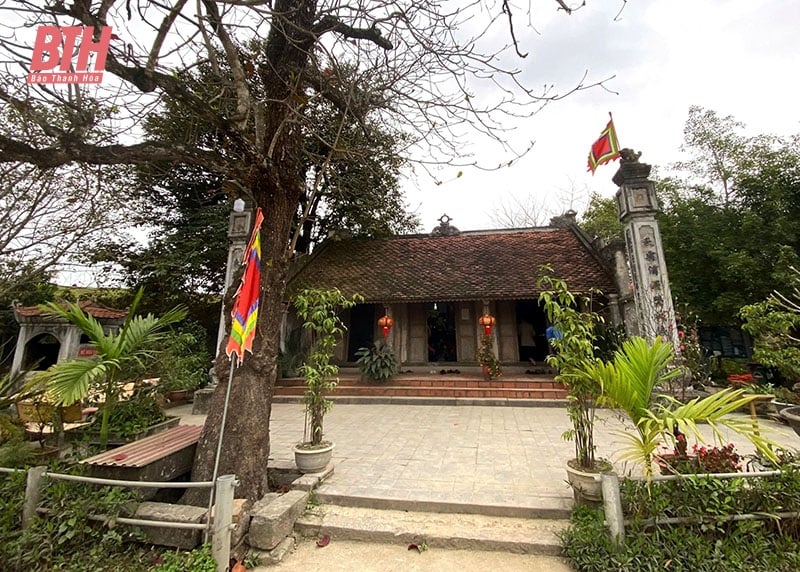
x=470, y=266
x=95, y=309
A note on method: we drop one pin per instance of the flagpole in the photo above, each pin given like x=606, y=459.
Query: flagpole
x=219, y=442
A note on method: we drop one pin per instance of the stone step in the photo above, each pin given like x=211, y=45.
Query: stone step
x=556, y=507
x=413, y=400
x=537, y=382
x=464, y=391
x=434, y=530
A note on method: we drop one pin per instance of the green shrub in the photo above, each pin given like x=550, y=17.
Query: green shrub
x=708, y=544
x=377, y=363
x=197, y=560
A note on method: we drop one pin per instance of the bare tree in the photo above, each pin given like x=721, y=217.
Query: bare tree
x=521, y=212
x=425, y=69
x=49, y=218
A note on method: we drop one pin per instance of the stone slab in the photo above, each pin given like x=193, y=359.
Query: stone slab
x=277, y=554
x=273, y=521
x=437, y=530
x=175, y=537
x=202, y=401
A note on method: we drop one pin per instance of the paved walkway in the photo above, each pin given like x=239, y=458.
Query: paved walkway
x=503, y=456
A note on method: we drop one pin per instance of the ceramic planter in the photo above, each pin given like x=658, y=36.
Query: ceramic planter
x=313, y=460
x=792, y=416
x=585, y=489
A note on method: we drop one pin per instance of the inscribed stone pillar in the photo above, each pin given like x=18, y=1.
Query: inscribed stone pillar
x=239, y=227
x=637, y=206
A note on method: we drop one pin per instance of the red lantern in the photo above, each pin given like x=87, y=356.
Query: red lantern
x=487, y=321
x=386, y=323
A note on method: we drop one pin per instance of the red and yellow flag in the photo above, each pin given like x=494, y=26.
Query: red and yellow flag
x=245, y=305
x=606, y=148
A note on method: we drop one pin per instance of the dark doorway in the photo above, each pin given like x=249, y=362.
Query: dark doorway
x=531, y=326
x=441, y=332
x=362, y=329
x=41, y=352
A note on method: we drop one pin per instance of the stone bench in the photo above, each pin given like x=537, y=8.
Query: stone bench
x=160, y=457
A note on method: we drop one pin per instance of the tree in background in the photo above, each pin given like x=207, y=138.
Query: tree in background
x=601, y=218
x=418, y=73
x=729, y=221
x=731, y=225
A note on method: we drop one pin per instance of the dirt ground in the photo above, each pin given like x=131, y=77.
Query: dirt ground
x=347, y=556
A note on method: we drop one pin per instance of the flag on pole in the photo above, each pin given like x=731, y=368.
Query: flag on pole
x=245, y=305
x=606, y=148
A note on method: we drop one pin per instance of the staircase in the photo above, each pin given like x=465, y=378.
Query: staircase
x=440, y=386
x=434, y=529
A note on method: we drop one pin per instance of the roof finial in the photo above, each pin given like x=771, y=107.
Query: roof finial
x=445, y=228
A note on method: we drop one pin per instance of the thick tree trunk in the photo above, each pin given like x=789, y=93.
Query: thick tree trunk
x=245, y=446
x=276, y=183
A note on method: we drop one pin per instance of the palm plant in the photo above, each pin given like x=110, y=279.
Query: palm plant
x=629, y=383
x=13, y=390
x=132, y=346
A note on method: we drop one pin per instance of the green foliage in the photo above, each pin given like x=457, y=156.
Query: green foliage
x=692, y=357
x=573, y=351
x=66, y=538
x=319, y=310
x=731, y=229
x=629, y=383
x=183, y=361
x=706, y=543
x=775, y=327
x=378, y=363
x=197, y=560
x=487, y=357
x=134, y=415
x=132, y=346
x=601, y=218
x=12, y=390
x=15, y=450
x=12, y=497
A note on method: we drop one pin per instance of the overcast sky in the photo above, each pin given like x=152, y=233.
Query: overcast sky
x=737, y=57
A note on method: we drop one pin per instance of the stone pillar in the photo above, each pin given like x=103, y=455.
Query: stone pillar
x=239, y=224
x=637, y=206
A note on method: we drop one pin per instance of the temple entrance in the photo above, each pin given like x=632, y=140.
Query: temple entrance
x=441, y=331
x=361, y=330
x=41, y=352
x=531, y=326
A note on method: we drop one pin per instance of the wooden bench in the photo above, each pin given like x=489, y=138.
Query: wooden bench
x=160, y=457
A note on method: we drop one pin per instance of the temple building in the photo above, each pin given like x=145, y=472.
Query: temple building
x=435, y=287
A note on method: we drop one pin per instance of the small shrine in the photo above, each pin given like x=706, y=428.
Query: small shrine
x=45, y=340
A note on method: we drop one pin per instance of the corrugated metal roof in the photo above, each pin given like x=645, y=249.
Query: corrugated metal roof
x=145, y=451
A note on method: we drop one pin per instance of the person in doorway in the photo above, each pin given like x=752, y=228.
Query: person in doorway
x=527, y=341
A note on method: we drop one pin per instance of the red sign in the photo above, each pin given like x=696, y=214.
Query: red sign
x=55, y=47
x=87, y=351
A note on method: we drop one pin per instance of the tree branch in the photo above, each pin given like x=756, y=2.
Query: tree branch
x=334, y=24
x=140, y=153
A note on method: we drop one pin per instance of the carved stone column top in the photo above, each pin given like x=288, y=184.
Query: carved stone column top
x=630, y=169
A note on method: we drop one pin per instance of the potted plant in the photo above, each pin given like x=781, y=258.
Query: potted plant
x=629, y=383
x=572, y=355
x=377, y=363
x=490, y=365
x=104, y=373
x=319, y=311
